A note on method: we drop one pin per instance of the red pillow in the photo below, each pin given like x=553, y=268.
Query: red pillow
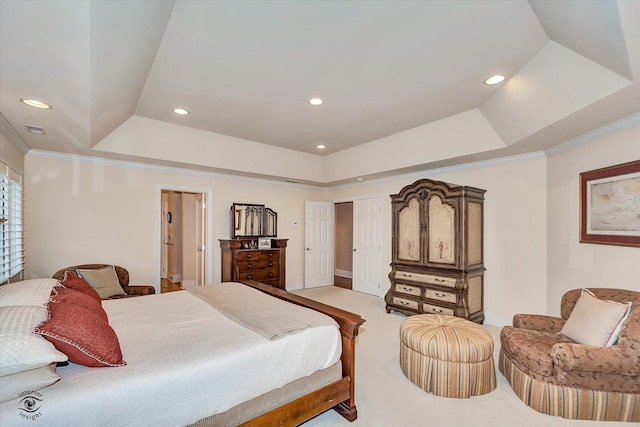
x=77, y=283
x=82, y=335
x=62, y=294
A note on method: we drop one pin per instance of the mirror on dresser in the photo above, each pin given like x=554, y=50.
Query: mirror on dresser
x=253, y=252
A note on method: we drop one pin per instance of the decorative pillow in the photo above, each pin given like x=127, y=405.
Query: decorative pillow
x=104, y=281
x=27, y=292
x=34, y=379
x=594, y=321
x=62, y=294
x=20, y=348
x=82, y=335
x=77, y=283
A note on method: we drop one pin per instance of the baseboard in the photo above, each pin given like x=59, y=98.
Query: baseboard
x=295, y=286
x=343, y=273
x=497, y=319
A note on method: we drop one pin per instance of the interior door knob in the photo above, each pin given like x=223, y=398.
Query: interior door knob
x=308, y=249
x=354, y=249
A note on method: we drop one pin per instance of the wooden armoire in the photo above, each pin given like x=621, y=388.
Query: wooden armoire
x=437, y=250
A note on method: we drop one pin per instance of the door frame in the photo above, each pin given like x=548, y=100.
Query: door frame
x=380, y=230
x=157, y=250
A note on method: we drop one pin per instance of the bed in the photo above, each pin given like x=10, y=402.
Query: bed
x=218, y=355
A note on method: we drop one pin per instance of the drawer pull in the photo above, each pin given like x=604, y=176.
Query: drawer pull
x=270, y=275
x=436, y=310
x=404, y=288
x=270, y=254
x=406, y=275
x=270, y=264
x=440, y=280
x=404, y=302
x=249, y=265
x=248, y=255
x=440, y=295
x=249, y=276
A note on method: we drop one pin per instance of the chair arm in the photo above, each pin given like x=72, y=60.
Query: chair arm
x=609, y=360
x=538, y=322
x=138, y=290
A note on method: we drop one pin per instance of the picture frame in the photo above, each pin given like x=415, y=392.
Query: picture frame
x=264, y=243
x=610, y=205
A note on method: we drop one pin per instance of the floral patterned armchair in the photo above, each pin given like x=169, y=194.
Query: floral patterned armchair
x=558, y=376
x=121, y=272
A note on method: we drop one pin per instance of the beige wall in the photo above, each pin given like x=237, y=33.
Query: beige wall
x=572, y=264
x=10, y=154
x=515, y=230
x=79, y=211
x=83, y=212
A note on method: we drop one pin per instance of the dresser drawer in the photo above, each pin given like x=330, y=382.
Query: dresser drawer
x=427, y=278
x=401, y=302
x=407, y=289
x=434, y=309
x=248, y=255
x=259, y=275
x=270, y=255
x=260, y=264
x=440, y=295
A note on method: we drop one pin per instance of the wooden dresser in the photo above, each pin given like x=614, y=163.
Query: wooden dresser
x=242, y=260
x=437, y=250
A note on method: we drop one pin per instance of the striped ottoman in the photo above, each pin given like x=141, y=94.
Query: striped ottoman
x=447, y=356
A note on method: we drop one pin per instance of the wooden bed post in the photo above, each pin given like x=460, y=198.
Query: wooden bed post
x=341, y=391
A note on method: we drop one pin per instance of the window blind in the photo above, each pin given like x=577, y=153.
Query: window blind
x=11, y=224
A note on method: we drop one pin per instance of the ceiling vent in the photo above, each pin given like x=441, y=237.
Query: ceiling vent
x=35, y=129
x=293, y=181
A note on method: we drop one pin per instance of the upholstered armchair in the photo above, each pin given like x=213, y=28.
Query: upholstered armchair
x=121, y=272
x=555, y=375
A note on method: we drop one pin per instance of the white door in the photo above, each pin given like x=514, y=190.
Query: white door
x=200, y=233
x=189, y=240
x=318, y=244
x=367, y=245
x=164, y=232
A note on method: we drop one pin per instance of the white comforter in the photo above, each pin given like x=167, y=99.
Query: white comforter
x=186, y=361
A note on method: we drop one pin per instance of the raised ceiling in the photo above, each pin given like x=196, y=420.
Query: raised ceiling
x=402, y=80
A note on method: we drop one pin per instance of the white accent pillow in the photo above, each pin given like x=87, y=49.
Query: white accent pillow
x=21, y=349
x=594, y=321
x=104, y=281
x=34, y=379
x=27, y=292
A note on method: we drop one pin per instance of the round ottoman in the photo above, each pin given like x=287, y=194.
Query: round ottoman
x=447, y=356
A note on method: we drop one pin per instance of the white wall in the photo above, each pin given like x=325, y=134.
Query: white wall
x=515, y=230
x=572, y=264
x=83, y=212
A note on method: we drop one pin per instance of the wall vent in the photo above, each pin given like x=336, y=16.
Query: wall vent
x=35, y=129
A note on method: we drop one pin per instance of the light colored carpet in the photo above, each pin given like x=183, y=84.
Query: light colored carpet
x=386, y=398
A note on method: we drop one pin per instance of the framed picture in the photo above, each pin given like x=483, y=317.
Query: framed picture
x=610, y=205
x=264, y=243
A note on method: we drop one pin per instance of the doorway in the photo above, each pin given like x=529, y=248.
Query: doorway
x=351, y=254
x=184, y=233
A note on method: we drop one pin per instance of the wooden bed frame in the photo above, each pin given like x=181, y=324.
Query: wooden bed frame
x=339, y=395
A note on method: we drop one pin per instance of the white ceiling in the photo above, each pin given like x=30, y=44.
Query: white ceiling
x=400, y=78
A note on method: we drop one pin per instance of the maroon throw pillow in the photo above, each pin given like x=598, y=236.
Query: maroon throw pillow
x=77, y=283
x=62, y=294
x=82, y=335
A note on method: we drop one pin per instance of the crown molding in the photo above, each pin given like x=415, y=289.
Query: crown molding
x=449, y=169
x=596, y=134
x=52, y=155
x=12, y=135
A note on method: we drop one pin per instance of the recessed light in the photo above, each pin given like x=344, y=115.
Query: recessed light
x=181, y=111
x=360, y=179
x=494, y=80
x=316, y=101
x=321, y=147
x=36, y=104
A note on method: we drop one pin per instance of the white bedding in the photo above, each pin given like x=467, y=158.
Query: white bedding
x=185, y=362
